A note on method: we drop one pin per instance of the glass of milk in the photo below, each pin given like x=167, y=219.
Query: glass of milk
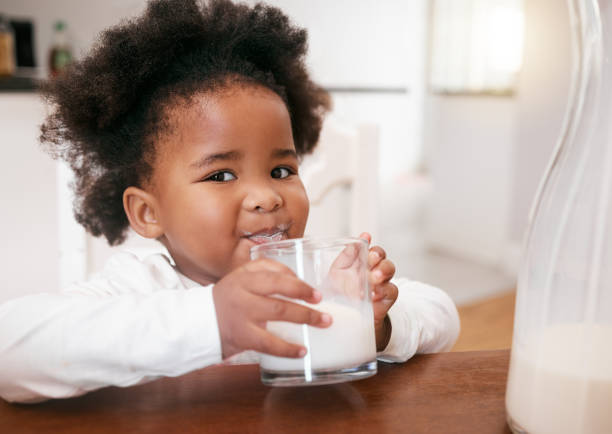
x=346, y=350
x=560, y=377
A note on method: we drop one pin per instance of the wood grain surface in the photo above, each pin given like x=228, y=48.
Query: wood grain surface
x=441, y=393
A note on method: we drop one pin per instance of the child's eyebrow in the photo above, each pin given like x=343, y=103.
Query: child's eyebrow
x=283, y=153
x=207, y=160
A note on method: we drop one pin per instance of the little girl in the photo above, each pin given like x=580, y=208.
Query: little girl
x=187, y=125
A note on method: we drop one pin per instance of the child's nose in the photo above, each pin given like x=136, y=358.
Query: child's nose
x=262, y=198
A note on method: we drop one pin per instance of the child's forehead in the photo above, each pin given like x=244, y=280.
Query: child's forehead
x=224, y=118
x=228, y=103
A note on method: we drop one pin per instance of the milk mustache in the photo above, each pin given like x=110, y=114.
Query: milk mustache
x=561, y=381
x=348, y=342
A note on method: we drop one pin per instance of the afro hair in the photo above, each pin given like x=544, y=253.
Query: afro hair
x=108, y=108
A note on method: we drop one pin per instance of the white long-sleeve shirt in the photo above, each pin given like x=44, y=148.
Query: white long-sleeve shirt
x=139, y=320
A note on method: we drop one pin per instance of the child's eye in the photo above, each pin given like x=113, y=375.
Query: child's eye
x=281, y=172
x=222, y=176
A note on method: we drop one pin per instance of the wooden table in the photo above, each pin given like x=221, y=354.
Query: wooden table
x=440, y=393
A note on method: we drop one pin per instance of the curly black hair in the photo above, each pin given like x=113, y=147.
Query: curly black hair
x=109, y=107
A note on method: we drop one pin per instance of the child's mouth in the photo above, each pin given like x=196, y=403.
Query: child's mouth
x=261, y=239
x=268, y=235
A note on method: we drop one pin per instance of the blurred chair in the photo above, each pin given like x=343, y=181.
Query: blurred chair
x=341, y=179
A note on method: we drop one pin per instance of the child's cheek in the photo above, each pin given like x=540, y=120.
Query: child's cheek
x=300, y=208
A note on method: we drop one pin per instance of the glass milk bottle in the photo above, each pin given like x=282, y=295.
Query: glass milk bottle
x=560, y=378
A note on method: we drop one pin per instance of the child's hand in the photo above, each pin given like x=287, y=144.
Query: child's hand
x=384, y=293
x=243, y=305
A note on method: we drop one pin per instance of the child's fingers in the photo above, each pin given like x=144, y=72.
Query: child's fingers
x=265, y=342
x=382, y=272
x=346, y=258
x=386, y=295
x=379, y=291
x=268, y=283
x=276, y=309
x=375, y=255
x=266, y=264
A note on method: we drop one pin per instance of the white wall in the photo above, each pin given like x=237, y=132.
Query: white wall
x=470, y=147
x=487, y=154
x=542, y=99
x=29, y=247
x=356, y=42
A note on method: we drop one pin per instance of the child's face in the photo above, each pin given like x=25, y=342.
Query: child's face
x=226, y=179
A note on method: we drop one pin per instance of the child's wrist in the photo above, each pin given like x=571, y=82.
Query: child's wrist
x=383, y=334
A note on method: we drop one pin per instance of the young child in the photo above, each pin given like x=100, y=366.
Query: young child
x=187, y=125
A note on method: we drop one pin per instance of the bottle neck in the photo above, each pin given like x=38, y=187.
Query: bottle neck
x=591, y=22
x=60, y=38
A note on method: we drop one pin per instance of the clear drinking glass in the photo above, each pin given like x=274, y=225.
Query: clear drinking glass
x=560, y=378
x=344, y=351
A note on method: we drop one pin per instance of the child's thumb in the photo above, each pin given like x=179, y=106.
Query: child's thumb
x=366, y=236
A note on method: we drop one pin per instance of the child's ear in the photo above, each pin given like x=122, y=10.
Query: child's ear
x=141, y=210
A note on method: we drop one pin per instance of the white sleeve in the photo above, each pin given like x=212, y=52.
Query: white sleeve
x=424, y=319
x=66, y=344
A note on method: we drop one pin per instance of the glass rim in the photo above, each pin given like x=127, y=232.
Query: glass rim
x=306, y=244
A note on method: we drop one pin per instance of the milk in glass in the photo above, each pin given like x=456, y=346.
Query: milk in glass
x=349, y=341
x=344, y=351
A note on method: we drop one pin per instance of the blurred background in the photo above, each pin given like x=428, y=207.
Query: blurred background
x=466, y=97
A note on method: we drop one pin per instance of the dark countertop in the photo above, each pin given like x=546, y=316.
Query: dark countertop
x=434, y=393
x=19, y=84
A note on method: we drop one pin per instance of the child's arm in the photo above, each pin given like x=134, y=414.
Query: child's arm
x=137, y=322
x=424, y=319
x=409, y=317
x=121, y=328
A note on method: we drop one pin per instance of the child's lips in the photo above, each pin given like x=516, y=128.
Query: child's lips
x=267, y=235
x=262, y=238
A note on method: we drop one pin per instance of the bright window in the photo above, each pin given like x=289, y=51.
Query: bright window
x=476, y=46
